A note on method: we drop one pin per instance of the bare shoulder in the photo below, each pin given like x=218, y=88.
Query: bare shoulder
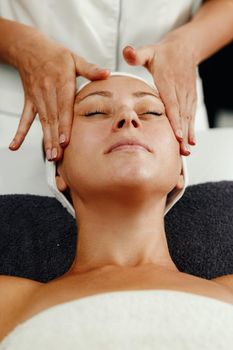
x=14, y=293
x=18, y=286
x=226, y=280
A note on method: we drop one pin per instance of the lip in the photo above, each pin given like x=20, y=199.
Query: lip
x=128, y=141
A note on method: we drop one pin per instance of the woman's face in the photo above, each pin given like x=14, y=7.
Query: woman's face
x=109, y=111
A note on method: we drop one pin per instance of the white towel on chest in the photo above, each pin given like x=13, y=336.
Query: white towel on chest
x=129, y=320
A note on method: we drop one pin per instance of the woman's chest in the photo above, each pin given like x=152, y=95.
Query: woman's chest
x=72, y=288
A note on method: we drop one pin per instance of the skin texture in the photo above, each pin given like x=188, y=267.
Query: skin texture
x=119, y=197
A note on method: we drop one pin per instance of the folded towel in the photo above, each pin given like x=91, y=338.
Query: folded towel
x=138, y=320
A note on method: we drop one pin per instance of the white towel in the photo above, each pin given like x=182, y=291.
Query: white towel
x=129, y=320
x=172, y=198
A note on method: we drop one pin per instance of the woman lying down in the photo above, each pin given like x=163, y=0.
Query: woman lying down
x=120, y=174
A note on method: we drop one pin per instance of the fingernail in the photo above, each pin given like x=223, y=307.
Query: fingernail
x=12, y=144
x=98, y=69
x=193, y=140
x=48, y=154
x=62, y=138
x=129, y=46
x=187, y=148
x=54, y=153
x=179, y=133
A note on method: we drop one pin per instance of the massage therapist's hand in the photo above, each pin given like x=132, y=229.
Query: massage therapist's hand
x=48, y=72
x=174, y=72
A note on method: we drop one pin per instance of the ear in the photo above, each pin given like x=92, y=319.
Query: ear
x=60, y=182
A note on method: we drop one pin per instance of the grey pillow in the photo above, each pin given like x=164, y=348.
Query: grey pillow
x=38, y=236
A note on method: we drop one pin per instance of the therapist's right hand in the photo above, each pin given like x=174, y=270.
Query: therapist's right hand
x=48, y=72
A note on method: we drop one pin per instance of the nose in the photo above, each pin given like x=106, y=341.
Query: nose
x=126, y=119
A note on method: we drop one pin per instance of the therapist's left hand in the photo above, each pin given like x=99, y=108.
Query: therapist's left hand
x=174, y=72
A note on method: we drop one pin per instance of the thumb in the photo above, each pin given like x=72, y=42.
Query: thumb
x=89, y=70
x=139, y=57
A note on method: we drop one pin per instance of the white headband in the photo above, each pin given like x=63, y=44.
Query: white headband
x=172, y=198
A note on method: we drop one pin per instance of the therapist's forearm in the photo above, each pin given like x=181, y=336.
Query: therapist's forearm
x=13, y=36
x=209, y=30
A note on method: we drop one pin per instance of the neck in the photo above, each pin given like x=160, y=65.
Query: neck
x=120, y=234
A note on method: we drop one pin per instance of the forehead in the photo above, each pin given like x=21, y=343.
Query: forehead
x=117, y=85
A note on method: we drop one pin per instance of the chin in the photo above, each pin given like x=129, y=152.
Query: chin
x=133, y=174
x=129, y=182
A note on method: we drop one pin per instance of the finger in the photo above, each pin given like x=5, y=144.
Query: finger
x=185, y=150
x=181, y=95
x=25, y=123
x=40, y=104
x=65, y=107
x=184, y=147
x=141, y=56
x=50, y=99
x=46, y=140
x=169, y=98
x=187, y=98
x=89, y=70
x=191, y=132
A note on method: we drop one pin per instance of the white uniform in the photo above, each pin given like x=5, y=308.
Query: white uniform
x=96, y=30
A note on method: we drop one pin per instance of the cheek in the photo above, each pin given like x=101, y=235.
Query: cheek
x=163, y=139
x=82, y=152
x=85, y=138
x=167, y=152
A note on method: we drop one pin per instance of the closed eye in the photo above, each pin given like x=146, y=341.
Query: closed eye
x=100, y=112
x=154, y=113
x=92, y=113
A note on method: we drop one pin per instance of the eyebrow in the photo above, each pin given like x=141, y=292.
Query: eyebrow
x=110, y=94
